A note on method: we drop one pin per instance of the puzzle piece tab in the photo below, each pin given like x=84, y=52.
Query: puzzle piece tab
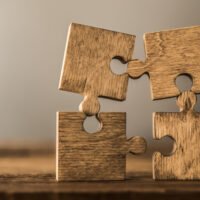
x=184, y=128
x=86, y=65
x=83, y=156
x=169, y=54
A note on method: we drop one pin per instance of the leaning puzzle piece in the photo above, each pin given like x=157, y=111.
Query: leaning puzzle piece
x=86, y=65
x=169, y=54
x=84, y=156
x=184, y=128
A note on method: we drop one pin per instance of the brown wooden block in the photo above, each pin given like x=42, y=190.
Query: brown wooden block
x=184, y=128
x=169, y=54
x=86, y=65
x=83, y=156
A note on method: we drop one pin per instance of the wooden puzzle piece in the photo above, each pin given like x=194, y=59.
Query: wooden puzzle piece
x=169, y=54
x=86, y=66
x=184, y=128
x=83, y=156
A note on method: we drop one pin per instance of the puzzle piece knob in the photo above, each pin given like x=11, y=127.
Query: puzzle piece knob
x=90, y=105
x=186, y=101
x=137, y=145
x=136, y=68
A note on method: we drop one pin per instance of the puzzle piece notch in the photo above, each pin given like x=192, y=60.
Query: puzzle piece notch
x=168, y=55
x=86, y=64
x=184, y=129
x=98, y=156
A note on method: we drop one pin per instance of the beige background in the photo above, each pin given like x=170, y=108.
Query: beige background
x=32, y=42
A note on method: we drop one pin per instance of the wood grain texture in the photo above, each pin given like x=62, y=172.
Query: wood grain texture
x=169, y=54
x=140, y=186
x=86, y=64
x=38, y=182
x=83, y=156
x=184, y=128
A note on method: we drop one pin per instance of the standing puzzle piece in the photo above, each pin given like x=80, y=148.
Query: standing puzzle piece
x=97, y=156
x=86, y=65
x=184, y=128
x=169, y=54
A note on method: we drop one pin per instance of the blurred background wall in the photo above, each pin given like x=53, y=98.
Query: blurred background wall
x=32, y=41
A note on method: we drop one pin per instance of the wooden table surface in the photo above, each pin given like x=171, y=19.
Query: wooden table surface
x=32, y=176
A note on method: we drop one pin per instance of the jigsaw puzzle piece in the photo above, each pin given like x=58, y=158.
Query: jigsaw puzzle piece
x=86, y=65
x=83, y=156
x=184, y=129
x=169, y=54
